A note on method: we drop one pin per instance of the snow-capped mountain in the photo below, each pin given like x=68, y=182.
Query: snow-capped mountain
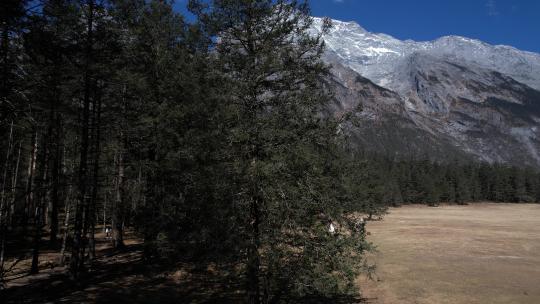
x=376, y=56
x=451, y=94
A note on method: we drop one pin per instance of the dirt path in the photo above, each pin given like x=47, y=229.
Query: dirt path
x=480, y=253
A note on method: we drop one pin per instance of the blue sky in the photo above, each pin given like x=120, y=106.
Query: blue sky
x=510, y=22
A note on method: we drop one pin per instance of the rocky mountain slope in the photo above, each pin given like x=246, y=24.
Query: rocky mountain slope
x=446, y=98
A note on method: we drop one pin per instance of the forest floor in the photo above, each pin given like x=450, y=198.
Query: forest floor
x=479, y=253
x=120, y=277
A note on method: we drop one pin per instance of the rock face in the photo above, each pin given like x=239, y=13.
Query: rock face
x=452, y=97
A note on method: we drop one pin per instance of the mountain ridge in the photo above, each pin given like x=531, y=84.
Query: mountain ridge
x=468, y=95
x=409, y=40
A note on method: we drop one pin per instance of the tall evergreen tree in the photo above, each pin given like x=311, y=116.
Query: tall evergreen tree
x=282, y=150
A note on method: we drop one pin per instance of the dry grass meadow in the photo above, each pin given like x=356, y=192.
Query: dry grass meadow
x=479, y=253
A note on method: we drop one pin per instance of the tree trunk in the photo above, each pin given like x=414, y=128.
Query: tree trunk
x=253, y=263
x=4, y=179
x=3, y=203
x=77, y=252
x=29, y=201
x=41, y=185
x=105, y=213
x=95, y=185
x=14, y=182
x=34, y=268
x=66, y=229
x=55, y=178
x=118, y=218
x=153, y=195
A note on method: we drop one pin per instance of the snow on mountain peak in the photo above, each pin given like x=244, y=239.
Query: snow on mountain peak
x=379, y=57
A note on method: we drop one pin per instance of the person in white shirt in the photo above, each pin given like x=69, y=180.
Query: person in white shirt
x=331, y=227
x=108, y=232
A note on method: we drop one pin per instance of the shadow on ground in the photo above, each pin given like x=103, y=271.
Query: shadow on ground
x=121, y=277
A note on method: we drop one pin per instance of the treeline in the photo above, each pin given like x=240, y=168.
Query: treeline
x=206, y=139
x=385, y=181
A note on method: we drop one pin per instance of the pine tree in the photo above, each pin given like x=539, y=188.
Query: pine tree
x=282, y=151
x=169, y=134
